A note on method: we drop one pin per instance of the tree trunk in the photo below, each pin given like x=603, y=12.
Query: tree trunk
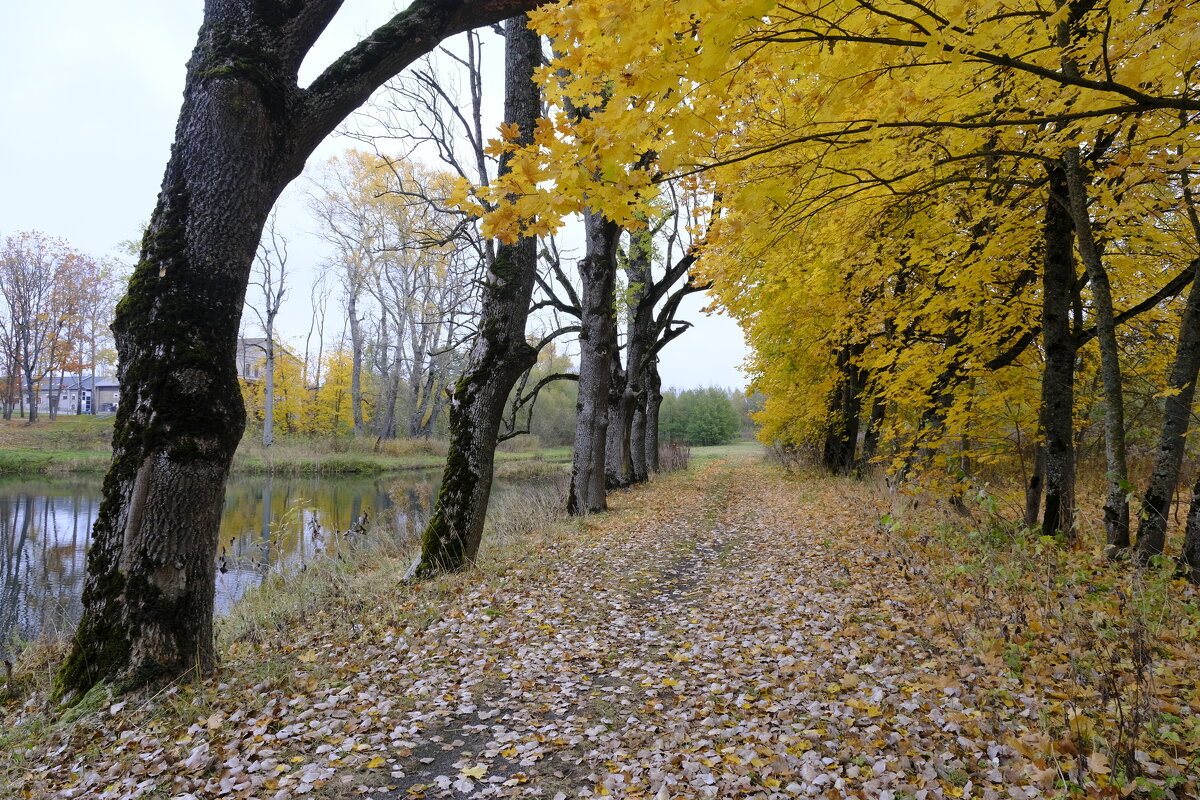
x=269, y=392
x=1037, y=482
x=639, y=344
x=1058, y=376
x=1181, y=391
x=618, y=467
x=1116, y=504
x=597, y=272
x=244, y=132
x=498, y=358
x=874, y=430
x=654, y=400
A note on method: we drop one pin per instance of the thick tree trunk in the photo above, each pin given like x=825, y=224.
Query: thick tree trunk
x=244, y=132
x=1181, y=391
x=618, y=455
x=597, y=272
x=1058, y=377
x=498, y=358
x=1116, y=504
x=1190, y=552
x=841, y=437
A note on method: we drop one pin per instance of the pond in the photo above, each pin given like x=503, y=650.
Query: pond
x=270, y=524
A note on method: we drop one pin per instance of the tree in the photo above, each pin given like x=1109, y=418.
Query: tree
x=500, y=352
x=37, y=274
x=271, y=280
x=244, y=132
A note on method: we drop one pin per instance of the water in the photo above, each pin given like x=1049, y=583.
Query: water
x=269, y=525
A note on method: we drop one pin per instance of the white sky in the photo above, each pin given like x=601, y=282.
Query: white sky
x=89, y=97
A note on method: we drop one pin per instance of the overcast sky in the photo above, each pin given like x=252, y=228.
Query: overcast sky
x=89, y=97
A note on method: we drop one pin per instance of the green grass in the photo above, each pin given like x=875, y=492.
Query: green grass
x=743, y=448
x=83, y=444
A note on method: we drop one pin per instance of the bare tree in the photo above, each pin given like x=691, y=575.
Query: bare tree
x=270, y=278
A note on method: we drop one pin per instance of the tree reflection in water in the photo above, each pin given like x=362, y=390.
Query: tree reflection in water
x=269, y=525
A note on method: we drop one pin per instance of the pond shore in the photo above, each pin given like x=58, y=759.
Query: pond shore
x=82, y=445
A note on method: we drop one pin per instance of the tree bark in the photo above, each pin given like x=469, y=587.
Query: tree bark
x=597, y=272
x=1116, y=504
x=498, y=358
x=654, y=398
x=1058, y=376
x=244, y=132
x=1181, y=391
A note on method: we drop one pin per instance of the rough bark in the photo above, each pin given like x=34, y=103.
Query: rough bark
x=1058, y=376
x=639, y=343
x=654, y=398
x=618, y=455
x=498, y=357
x=244, y=132
x=597, y=341
x=1116, y=503
x=1181, y=391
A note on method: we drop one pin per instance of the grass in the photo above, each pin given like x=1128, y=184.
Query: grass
x=82, y=444
x=743, y=448
x=1111, y=647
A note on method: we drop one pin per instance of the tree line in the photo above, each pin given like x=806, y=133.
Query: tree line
x=55, y=305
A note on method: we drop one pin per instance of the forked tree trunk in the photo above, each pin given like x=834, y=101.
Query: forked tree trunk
x=597, y=340
x=498, y=358
x=1058, y=376
x=244, y=132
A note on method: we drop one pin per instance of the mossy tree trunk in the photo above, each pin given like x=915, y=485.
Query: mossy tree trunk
x=498, y=357
x=244, y=132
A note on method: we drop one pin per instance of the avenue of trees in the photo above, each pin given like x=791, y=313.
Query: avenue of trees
x=955, y=234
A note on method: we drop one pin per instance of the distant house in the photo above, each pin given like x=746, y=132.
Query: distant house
x=71, y=393
x=252, y=354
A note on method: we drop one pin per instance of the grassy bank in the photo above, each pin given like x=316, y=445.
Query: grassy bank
x=83, y=444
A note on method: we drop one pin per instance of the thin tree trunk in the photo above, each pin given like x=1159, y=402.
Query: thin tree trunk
x=1116, y=504
x=356, y=362
x=1058, y=377
x=597, y=272
x=654, y=400
x=498, y=358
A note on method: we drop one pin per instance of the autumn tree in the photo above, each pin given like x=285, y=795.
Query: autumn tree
x=244, y=132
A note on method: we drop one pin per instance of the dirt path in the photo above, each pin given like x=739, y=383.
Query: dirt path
x=722, y=634
x=731, y=640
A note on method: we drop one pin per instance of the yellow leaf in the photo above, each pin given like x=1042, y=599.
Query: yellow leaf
x=376, y=762
x=477, y=771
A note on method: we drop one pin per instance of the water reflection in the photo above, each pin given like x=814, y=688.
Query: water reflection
x=269, y=525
